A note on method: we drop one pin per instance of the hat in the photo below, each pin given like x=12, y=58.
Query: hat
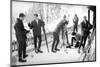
x=21, y=15
x=36, y=15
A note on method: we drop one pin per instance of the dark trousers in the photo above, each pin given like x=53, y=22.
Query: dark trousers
x=77, y=43
x=83, y=41
x=21, y=47
x=55, y=41
x=66, y=33
x=75, y=28
x=73, y=38
x=35, y=41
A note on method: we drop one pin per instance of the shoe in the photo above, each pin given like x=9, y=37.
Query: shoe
x=25, y=56
x=53, y=51
x=68, y=46
x=40, y=51
x=57, y=49
x=20, y=60
x=71, y=45
x=76, y=46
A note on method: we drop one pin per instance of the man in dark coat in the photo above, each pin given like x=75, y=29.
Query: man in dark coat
x=36, y=26
x=75, y=20
x=20, y=32
x=86, y=27
x=76, y=37
x=56, y=34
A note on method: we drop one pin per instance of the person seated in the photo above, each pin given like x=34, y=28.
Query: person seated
x=76, y=37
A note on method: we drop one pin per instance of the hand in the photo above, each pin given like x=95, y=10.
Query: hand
x=28, y=31
x=29, y=24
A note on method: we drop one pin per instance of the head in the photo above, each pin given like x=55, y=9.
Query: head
x=64, y=17
x=22, y=16
x=75, y=15
x=73, y=33
x=36, y=16
x=84, y=18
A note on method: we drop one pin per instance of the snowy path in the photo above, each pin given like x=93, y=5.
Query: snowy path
x=64, y=55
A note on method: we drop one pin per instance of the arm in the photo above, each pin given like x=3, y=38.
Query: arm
x=19, y=28
x=74, y=20
x=22, y=29
x=90, y=26
x=66, y=22
x=77, y=20
x=43, y=24
x=81, y=29
x=31, y=25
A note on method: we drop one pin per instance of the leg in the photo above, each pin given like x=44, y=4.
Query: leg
x=20, y=43
x=77, y=44
x=76, y=28
x=39, y=37
x=73, y=38
x=81, y=43
x=53, y=44
x=35, y=43
x=62, y=37
x=85, y=38
x=20, y=50
x=57, y=44
x=24, y=49
x=66, y=33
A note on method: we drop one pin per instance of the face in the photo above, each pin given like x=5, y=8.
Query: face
x=75, y=15
x=85, y=18
x=35, y=17
x=22, y=18
x=64, y=17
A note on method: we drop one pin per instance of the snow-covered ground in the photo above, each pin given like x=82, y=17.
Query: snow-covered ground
x=64, y=55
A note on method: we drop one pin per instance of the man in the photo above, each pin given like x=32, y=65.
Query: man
x=75, y=20
x=76, y=37
x=86, y=27
x=56, y=34
x=36, y=26
x=21, y=37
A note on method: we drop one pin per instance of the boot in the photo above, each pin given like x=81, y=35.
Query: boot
x=20, y=60
x=25, y=56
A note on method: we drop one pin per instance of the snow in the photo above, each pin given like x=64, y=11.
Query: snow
x=64, y=55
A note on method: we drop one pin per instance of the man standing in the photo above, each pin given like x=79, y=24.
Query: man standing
x=86, y=27
x=75, y=20
x=36, y=26
x=56, y=34
x=21, y=37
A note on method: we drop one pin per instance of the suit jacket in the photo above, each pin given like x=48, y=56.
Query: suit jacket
x=75, y=20
x=20, y=30
x=36, y=27
x=60, y=26
x=86, y=27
